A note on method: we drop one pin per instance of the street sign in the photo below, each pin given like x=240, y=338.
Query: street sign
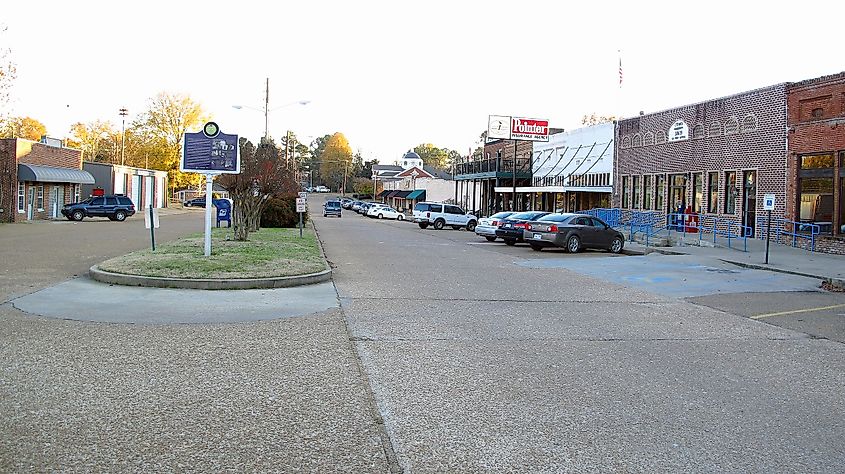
x=300, y=205
x=210, y=152
x=303, y=195
x=155, y=222
x=769, y=202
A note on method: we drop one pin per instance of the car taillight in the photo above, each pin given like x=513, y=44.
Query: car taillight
x=528, y=227
x=495, y=223
x=521, y=225
x=552, y=228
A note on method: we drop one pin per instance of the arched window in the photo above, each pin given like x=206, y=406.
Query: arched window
x=648, y=139
x=732, y=126
x=749, y=123
x=626, y=142
x=714, y=130
x=637, y=141
x=698, y=131
x=660, y=137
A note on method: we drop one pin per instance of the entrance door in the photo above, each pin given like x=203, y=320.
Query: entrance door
x=749, y=200
x=57, y=200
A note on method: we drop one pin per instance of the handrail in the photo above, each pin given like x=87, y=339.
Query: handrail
x=794, y=229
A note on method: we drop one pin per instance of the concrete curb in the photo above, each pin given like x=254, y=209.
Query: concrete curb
x=209, y=284
x=831, y=281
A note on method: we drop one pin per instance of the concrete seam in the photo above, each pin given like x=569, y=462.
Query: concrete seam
x=833, y=281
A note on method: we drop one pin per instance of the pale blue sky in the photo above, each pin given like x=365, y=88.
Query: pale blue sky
x=391, y=75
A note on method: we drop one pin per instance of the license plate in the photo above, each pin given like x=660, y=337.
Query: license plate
x=538, y=236
x=507, y=226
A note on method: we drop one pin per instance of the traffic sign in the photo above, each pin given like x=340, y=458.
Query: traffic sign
x=300, y=205
x=769, y=202
x=303, y=195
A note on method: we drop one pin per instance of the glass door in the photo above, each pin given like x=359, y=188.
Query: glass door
x=749, y=200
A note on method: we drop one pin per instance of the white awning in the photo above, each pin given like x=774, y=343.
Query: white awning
x=554, y=189
x=52, y=174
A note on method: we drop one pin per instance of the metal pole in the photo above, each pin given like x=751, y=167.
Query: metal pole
x=300, y=225
x=209, y=179
x=152, y=228
x=123, y=113
x=513, y=199
x=768, y=232
x=267, y=111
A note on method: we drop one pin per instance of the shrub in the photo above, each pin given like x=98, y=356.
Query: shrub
x=281, y=212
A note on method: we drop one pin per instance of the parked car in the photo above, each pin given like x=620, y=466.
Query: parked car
x=365, y=207
x=332, y=208
x=346, y=203
x=487, y=225
x=440, y=215
x=573, y=232
x=116, y=207
x=356, y=205
x=385, y=212
x=195, y=202
x=322, y=189
x=510, y=228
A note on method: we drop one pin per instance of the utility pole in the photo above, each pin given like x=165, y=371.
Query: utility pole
x=123, y=113
x=267, y=111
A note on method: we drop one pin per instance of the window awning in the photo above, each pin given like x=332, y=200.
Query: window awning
x=401, y=194
x=51, y=174
x=384, y=193
x=417, y=194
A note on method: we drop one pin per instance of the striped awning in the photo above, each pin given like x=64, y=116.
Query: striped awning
x=52, y=174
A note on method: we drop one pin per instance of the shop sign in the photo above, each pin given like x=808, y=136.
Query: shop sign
x=679, y=131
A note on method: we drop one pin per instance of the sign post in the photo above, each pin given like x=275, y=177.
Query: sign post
x=768, y=206
x=151, y=222
x=211, y=153
x=300, y=208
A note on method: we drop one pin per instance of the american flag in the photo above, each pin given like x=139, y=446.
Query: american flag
x=620, y=71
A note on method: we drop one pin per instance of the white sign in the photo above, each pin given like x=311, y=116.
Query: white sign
x=300, y=205
x=679, y=131
x=769, y=202
x=303, y=195
x=147, y=218
x=498, y=127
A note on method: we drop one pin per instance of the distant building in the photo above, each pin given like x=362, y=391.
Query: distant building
x=37, y=179
x=411, y=181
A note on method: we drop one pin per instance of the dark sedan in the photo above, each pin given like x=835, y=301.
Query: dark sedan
x=510, y=228
x=573, y=232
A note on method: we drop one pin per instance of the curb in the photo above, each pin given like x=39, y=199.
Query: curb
x=831, y=281
x=209, y=284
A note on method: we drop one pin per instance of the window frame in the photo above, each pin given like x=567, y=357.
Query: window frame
x=712, y=192
x=39, y=197
x=21, y=197
x=731, y=192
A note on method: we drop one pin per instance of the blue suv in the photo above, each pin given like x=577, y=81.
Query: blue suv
x=115, y=207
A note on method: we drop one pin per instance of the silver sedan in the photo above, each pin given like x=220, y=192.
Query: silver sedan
x=487, y=226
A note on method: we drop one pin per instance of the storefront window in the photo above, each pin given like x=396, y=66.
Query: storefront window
x=648, y=190
x=636, y=201
x=697, y=192
x=625, y=192
x=660, y=185
x=21, y=197
x=713, y=193
x=809, y=162
x=730, y=192
x=816, y=199
x=39, y=200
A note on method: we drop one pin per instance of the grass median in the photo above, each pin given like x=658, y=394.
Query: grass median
x=268, y=253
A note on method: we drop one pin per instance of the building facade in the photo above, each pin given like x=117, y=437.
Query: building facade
x=716, y=159
x=816, y=161
x=143, y=186
x=37, y=179
x=490, y=176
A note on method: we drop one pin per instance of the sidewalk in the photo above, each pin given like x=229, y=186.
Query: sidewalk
x=782, y=258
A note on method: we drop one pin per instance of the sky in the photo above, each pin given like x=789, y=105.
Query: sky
x=394, y=74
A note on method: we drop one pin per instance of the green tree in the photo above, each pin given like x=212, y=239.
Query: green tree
x=92, y=138
x=593, y=119
x=168, y=117
x=335, y=161
x=23, y=127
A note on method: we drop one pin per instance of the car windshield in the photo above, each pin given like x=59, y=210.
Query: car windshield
x=555, y=218
x=526, y=215
x=501, y=215
x=332, y=204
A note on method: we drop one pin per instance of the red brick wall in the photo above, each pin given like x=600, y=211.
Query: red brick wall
x=8, y=181
x=44, y=155
x=763, y=150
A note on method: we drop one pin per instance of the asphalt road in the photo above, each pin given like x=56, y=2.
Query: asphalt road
x=490, y=358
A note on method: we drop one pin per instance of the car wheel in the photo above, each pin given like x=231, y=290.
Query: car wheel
x=471, y=226
x=536, y=247
x=400, y=217
x=439, y=224
x=78, y=215
x=423, y=225
x=120, y=216
x=187, y=204
x=490, y=238
x=381, y=216
x=510, y=241
x=573, y=245
x=616, y=245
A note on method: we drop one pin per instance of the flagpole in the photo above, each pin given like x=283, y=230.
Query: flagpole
x=616, y=133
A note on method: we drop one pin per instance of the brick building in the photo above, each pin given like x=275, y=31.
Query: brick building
x=717, y=158
x=816, y=161
x=143, y=186
x=490, y=176
x=37, y=179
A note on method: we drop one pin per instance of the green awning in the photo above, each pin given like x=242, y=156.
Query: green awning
x=417, y=194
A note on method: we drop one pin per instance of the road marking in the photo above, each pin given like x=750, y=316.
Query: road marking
x=808, y=310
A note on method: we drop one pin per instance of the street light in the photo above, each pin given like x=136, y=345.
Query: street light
x=267, y=109
x=123, y=113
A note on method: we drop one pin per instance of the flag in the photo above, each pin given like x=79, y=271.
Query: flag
x=620, y=70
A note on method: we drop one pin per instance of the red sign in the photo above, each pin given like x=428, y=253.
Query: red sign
x=529, y=129
x=98, y=192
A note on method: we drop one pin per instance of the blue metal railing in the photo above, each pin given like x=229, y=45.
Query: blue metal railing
x=794, y=231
